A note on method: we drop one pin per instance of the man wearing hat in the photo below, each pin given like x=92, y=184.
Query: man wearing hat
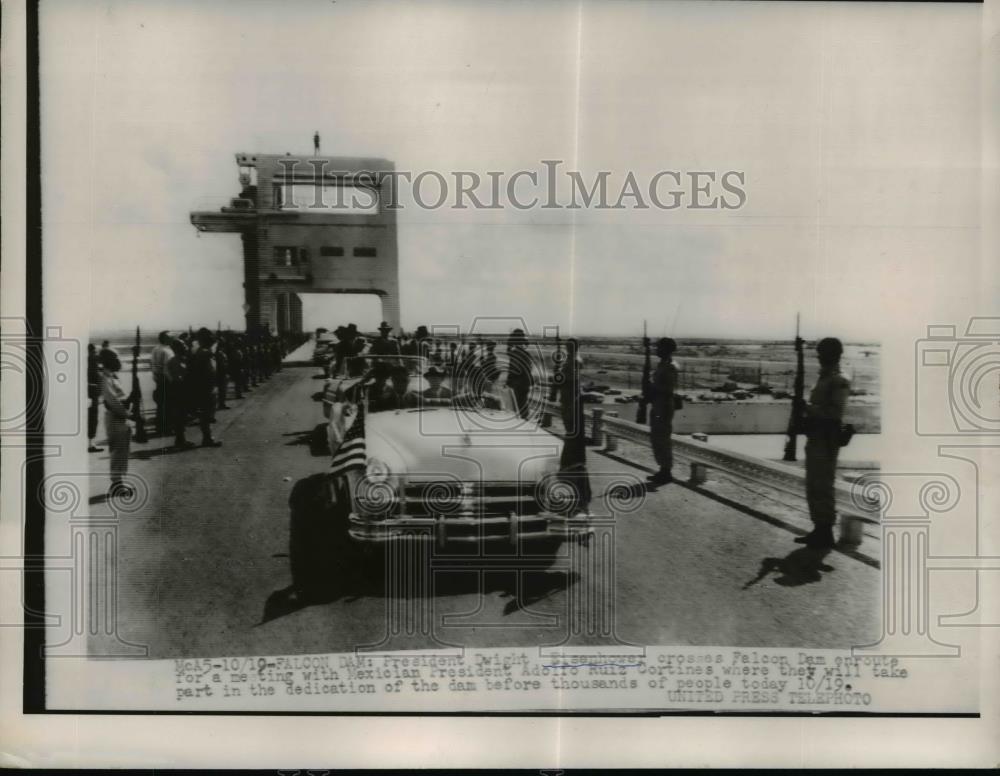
x=384, y=345
x=421, y=339
x=436, y=394
x=661, y=403
x=341, y=350
x=398, y=395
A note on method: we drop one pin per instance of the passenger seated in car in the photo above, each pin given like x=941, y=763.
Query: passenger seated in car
x=498, y=395
x=436, y=395
x=398, y=396
x=357, y=366
x=488, y=392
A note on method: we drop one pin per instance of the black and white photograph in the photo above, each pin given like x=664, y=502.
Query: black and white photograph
x=583, y=357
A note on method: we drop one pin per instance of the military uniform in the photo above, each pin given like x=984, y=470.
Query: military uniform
x=661, y=416
x=234, y=355
x=94, y=390
x=573, y=459
x=824, y=416
x=520, y=378
x=221, y=376
x=158, y=359
x=201, y=379
x=116, y=424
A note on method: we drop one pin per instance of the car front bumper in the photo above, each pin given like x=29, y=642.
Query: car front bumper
x=457, y=529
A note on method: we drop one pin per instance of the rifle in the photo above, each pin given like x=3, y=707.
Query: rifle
x=647, y=370
x=135, y=398
x=557, y=360
x=796, y=420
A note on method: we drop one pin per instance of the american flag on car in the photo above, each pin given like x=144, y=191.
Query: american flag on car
x=352, y=453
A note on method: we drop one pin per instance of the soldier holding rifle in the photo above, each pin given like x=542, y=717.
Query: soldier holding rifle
x=519, y=370
x=822, y=424
x=573, y=461
x=659, y=391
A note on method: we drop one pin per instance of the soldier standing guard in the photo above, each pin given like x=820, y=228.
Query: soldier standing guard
x=178, y=395
x=158, y=365
x=250, y=360
x=221, y=372
x=519, y=371
x=94, y=397
x=116, y=422
x=573, y=461
x=234, y=355
x=823, y=419
x=202, y=380
x=660, y=391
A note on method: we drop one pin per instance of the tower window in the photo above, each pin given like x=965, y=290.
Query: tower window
x=289, y=256
x=331, y=250
x=365, y=253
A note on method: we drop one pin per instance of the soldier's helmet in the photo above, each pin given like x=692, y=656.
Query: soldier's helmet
x=829, y=349
x=665, y=346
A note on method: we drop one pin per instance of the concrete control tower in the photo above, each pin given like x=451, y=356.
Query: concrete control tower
x=310, y=225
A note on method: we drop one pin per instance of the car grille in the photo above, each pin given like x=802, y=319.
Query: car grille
x=469, y=499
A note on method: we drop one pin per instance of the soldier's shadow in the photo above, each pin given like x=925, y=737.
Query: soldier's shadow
x=803, y=566
x=315, y=438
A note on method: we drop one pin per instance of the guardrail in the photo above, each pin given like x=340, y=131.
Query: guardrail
x=607, y=428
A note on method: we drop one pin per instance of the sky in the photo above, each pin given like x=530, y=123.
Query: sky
x=856, y=126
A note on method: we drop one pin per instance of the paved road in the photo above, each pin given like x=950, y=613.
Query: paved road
x=199, y=564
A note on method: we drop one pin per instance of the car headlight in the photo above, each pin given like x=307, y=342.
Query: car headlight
x=377, y=494
x=377, y=470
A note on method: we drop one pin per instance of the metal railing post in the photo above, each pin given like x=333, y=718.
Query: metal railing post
x=611, y=442
x=595, y=428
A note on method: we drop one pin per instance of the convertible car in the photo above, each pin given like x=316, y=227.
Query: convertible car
x=464, y=472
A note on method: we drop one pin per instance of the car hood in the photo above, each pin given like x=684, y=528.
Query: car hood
x=431, y=444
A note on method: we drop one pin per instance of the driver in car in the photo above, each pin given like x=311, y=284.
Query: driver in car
x=398, y=395
x=436, y=395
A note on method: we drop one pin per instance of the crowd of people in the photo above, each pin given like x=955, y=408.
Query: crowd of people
x=472, y=370
x=194, y=374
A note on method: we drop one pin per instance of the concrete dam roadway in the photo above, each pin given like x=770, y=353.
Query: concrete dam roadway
x=202, y=565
